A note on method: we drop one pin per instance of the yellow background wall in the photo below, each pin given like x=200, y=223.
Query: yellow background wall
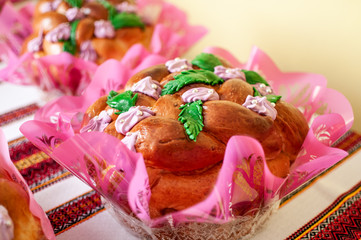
x=316, y=36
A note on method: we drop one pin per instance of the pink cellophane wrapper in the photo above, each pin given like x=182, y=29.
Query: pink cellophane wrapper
x=245, y=192
x=66, y=74
x=7, y=167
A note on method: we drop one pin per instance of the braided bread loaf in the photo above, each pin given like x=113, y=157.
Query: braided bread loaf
x=93, y=30
x=180, y=116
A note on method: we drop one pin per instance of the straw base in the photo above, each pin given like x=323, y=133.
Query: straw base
x=241, y=228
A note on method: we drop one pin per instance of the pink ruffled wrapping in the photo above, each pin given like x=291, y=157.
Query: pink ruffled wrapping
x=69, y=75
x=245, y=185
x=8, y=167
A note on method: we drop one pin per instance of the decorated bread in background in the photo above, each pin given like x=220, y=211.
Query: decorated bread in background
x=180, y=116
x=16, y=220
x=95, y=30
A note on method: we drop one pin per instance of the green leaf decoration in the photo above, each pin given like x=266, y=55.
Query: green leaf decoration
x=273, y=98
x=124, y=19
x=75, y=3
x=112, y=94
x=206, y=61
x=112, y=11
x=122, y=101
x=253, y=77
x=189, y=77
x=121, y=20
x=74, y=25
x=256, y=92
x=70, y=45
x=192, y=119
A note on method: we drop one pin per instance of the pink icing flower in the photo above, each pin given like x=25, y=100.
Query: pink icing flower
x=127, y=120
x=36, y=44
x=263, y=89
x=228, y=73
x=260, y=105
x=200, y=93
x=55, y=4
x=61, y=32
x=86, y=11
x=73, y=14
x=130, y=139
x=87, y=52
x=178, y=65
x=97, y=123
x=46, y=7
x=104, y=29
x=49, y=6
x=6, y=225
x=148, y=86
x=126, y=7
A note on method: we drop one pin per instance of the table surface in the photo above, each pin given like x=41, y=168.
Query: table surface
x=329, y=205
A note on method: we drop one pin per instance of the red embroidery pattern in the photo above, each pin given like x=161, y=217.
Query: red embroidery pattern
x=21, y=148
x=47, y=172
x=350, y=142
x=17, y=114
x=345, y=226
x=41, y=174
x=336, y=222
x=75, y=211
